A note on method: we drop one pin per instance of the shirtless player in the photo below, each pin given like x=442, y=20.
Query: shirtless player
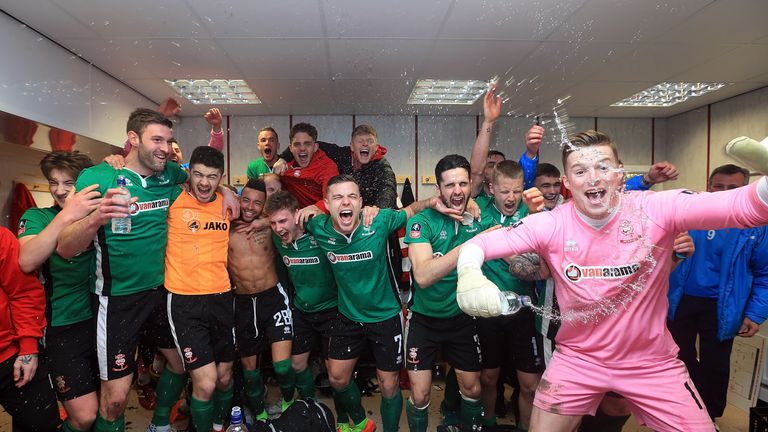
x=261, y=304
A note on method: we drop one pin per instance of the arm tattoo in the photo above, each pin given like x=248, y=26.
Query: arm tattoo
x=488, y=129
x=26, y=359
x=525, y=267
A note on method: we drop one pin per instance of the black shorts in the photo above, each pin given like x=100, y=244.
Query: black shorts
x=455, y=336
x=512, y=340
x=32, y=407
x=315, y=329
x=70, y=351
x=385, y=339
x=262, y=319
x=203, y=328
x=119, y=322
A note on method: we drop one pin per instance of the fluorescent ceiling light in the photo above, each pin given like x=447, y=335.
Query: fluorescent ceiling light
x=667, y=94
x=447, y=92
x=215, y=92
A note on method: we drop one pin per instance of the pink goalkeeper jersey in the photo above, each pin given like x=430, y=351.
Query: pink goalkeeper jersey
x=592, y=265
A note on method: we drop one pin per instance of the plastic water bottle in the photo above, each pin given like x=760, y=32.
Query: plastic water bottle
x=515, y=301
x=122, y=225
x=236, y=421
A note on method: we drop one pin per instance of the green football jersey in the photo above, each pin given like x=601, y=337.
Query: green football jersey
x=367, y=287
x=310, y=273
x=498, y=270
x=68, y=282
x=134, y=262
x=444, y=234
x=256, y=168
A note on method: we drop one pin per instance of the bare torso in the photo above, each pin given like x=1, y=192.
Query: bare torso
x=251, y=262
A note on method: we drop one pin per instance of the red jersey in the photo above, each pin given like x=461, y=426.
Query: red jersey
x=308, y=184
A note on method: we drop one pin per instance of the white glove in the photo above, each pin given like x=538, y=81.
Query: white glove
x=477, y=296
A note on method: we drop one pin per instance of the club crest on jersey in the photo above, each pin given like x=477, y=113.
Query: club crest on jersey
x=627, y=232
x=297, y=173
x=61, y=385
x=443, y=235
x=189, y=356
x=415, y=231
x=341, y=258
x=119, y=363
x=413, y=353
x=575, y=273
x=571, y=246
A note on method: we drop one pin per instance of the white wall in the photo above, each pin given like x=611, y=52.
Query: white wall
x=43, y=82
x=687, y=144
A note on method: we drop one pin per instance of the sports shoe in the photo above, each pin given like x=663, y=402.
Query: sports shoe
x=152, y=428
x=343, y=427
x=450, y=417
x=147, y=397
x=448, y=428
x=366, y=425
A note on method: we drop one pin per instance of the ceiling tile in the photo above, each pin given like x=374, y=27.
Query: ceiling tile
x=275, y=19
x=508, y=19
x=136, y=19
x=393, y=18
x=278, y=58
x=376, y=58
x=625, y=20
x=722, y=22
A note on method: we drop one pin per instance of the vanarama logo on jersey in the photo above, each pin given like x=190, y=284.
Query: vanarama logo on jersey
x=288, y=261
x=342, y=258
x=149, y=206
x=575, y=273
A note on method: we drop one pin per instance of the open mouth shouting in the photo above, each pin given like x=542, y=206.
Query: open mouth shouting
x=303, y=159
x=595, y=196
x=457, y=202
x=346, y=217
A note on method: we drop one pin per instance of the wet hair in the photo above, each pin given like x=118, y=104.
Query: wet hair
x=281, y=200
x=496, y=153
x=507, y=168
x=303, y=127
x=448, y=163
x=269, y=129
x=207, y=156
x=365, y=129
x=256, y=184
x=589, y=138
x=341, y=178
x=730, y=169
x=547, y=169
x=143, y=117
x=71, y=163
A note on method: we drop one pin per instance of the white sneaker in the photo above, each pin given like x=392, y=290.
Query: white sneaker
x=152, y=428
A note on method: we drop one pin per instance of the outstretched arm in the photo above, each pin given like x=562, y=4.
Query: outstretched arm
x=479, y=157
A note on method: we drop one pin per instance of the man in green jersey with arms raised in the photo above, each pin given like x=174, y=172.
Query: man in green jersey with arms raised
x=367, y=296
x=506, y=337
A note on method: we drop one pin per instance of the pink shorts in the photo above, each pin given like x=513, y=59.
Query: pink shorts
x=661, y=395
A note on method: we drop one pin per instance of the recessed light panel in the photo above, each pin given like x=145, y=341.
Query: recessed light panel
x=215, y=92
x=447, y=92
x=667, y=94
